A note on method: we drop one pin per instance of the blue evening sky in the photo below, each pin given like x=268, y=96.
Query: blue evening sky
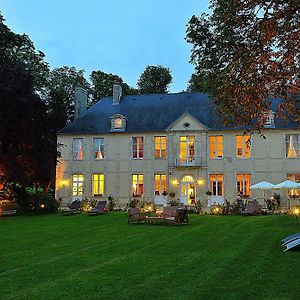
x=115, y=36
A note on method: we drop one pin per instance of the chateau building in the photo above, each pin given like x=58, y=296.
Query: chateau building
x=170, y=146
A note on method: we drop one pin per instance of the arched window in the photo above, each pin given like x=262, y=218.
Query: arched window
x=187, y=179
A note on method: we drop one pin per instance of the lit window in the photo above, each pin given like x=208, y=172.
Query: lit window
x=187, y=149
x=268, y=118
x=243, y=148
x=292, y=145
x=243, y=184
x=98, y=148
x=216, y=184
x=98, y=184
x=160, y=147
x=77, y=185
x=137, y=147
x=137, y=185
x=216, y=146
x=160, y=184
x=294, y=192
x=118, y=123
x=78, y=149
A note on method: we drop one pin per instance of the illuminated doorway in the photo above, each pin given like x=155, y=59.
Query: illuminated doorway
x=187, y=190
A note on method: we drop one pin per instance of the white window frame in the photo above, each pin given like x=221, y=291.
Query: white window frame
x=76, y=152
x=137, y=147
x=160, y=184
x=243, y=146
x=76, y=182
x=188, y=159
x=101, y=149
x=292, y=140
x=216, y=146
x=99, y=185
x=139, y=181
x=217, y=186
x=160, y=147
x=244, y=183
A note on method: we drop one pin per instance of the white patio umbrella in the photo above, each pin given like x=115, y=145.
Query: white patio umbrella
x=263, y=185
x=287, y=185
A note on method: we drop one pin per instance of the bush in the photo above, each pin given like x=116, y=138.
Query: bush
x=199, y=207
x=41, y=203
x=85, y=204
x=174, y=202
x=134, y=202
x=111, y=203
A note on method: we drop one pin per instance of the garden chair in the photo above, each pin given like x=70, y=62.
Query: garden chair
x=135, y=216
x=292, y=244
x=100, y=208
x=291, y=238
x=169, y=211
x=181, y=217
x=252, y=208
x=73, y=208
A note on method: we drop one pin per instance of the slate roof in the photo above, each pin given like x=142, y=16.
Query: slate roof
x=153, y=113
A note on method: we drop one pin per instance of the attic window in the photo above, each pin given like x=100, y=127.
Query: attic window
x=186, y=125
x=118, y=123
x=268, y=119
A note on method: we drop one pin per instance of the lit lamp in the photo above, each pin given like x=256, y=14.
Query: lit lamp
x=175, y=182
x=296, y=212
x=200, y=182
x=42, y=205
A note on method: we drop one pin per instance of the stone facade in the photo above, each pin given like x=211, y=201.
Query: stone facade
x=268, y=161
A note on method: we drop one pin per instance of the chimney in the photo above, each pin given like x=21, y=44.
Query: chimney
x=117, y=92
x=80, y=101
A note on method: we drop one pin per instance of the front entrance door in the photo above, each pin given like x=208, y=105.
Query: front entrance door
x=187, y=190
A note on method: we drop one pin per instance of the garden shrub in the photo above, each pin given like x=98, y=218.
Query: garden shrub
x=134, y=202
x=111, y=203
x=174, y=202
x=41, y=203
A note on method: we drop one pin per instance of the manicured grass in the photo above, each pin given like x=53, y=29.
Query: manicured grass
x=81, y=257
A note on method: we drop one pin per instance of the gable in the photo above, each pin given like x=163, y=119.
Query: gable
x=186, y=122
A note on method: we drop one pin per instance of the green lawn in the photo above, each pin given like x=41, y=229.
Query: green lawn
x=81, y=257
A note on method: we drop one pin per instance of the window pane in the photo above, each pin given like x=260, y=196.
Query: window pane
x=78, y=149
x=98, y=148
x=212, y=147
x=77, y=185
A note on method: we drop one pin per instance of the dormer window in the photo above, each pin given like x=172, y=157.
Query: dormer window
x=269, y=119
x=118, y=123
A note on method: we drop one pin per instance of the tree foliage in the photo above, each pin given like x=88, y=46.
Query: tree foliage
x=102, y=85
x=19, y=49
x=247, y=51
x=198, y=83
x=60, y=93
x=27, y=140
x=154, y=80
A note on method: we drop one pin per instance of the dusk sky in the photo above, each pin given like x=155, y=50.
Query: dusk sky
x=114, y=36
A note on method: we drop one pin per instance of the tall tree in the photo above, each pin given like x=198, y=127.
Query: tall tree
x=19, y=49
x=198, y=83
x=60, y=93
x=248, y=51
x=102, y=85
x=154, y=80
x=27, y=139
